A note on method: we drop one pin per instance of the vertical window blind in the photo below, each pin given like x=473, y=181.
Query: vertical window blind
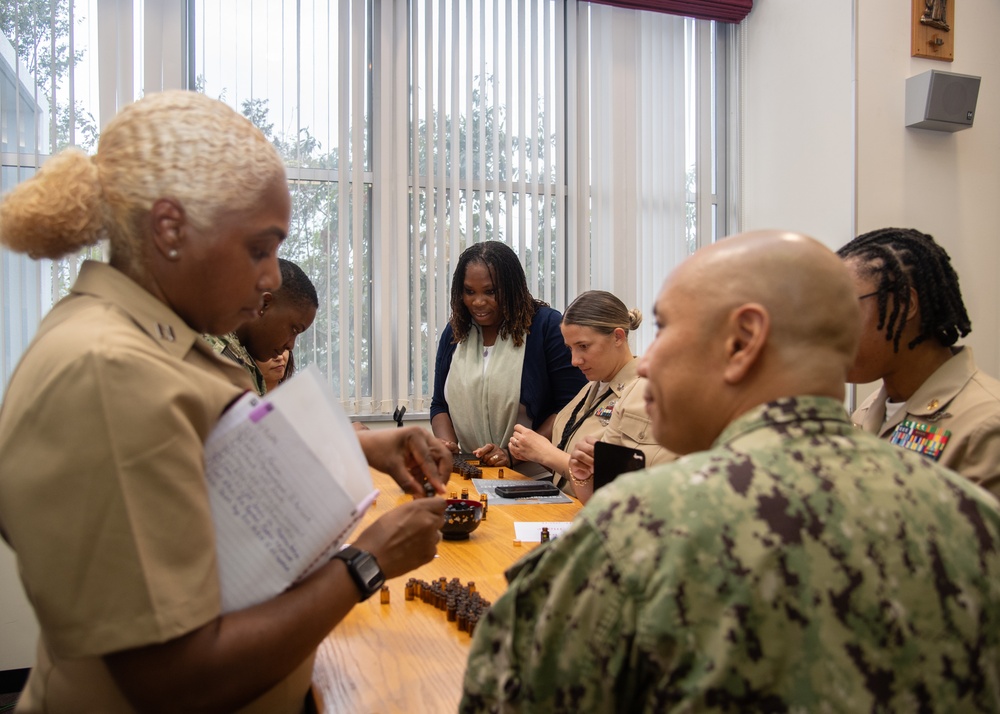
x=589, y=138
x=46, y=74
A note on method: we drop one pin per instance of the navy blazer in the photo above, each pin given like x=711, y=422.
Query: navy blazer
x=548, y=378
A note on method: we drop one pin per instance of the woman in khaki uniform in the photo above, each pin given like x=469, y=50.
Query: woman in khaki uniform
x=102, y=493
x=611, y=407
x=933, y=399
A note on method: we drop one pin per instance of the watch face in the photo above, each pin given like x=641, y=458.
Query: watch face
x=367, y=568
x=364, y=570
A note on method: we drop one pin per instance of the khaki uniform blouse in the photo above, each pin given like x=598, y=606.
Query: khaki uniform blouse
x=619, y=418
x=958, y=398
x=102, y=492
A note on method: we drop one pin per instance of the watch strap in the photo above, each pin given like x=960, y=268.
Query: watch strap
x=368, y=582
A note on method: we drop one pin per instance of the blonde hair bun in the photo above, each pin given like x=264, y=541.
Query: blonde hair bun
x=57, y=211
x=634, y=318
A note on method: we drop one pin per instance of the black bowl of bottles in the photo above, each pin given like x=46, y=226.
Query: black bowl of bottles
x=461, y=517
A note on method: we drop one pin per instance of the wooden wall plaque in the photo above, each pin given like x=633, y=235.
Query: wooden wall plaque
x=933, y=29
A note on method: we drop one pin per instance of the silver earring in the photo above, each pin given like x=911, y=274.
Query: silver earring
x=172, y=254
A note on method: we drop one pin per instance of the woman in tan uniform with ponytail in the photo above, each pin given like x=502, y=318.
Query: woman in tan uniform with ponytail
x=611, y=407
x=102, y=430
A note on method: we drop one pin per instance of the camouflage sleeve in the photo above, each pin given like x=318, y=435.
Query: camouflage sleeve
x=559, y=636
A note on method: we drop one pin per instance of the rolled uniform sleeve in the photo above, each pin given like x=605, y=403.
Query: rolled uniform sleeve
x=548, y=644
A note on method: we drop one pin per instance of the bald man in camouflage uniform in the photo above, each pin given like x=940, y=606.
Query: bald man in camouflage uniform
x=789, y=563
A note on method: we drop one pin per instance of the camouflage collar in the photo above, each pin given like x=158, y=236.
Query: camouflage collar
x=784, y=411
x=229, y=346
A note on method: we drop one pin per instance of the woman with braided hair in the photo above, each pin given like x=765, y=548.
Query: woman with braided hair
x=933, y=398
x=500, y=361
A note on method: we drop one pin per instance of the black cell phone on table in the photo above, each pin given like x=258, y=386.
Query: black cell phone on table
x=612, y=460
x=527, y=490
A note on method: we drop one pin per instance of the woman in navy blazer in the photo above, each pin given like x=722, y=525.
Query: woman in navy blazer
x=498, y=329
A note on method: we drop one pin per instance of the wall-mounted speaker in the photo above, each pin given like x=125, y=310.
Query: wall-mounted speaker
x=942, y=101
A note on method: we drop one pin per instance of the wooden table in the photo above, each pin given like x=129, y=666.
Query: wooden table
x=405, y=656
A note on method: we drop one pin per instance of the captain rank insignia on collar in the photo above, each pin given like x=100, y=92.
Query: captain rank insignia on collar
x=166, y=332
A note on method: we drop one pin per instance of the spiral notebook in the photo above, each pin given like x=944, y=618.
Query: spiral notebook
x=287, y=483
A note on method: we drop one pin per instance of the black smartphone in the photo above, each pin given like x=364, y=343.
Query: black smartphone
x=527, y=490
x=612, y=460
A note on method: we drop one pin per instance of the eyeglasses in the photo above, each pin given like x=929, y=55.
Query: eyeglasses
x=868, y=295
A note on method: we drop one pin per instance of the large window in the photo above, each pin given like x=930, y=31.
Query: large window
x=591, y=139
x=47, y=71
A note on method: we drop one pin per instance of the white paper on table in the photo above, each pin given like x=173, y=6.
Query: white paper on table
x=531, y=531
x=287, y=482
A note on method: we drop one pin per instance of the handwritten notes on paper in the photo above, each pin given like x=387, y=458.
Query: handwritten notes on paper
x=287, y=483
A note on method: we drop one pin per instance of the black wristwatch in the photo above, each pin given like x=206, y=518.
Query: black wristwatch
x=364, y=570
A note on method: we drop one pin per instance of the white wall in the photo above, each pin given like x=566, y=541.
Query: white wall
x=810, y=165
x=798, y=140
x=944, y=184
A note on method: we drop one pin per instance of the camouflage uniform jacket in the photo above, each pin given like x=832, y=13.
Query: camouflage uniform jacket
x=229, y=345
x=798, y=565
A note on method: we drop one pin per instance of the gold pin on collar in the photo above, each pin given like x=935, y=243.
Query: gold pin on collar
x=166, y=332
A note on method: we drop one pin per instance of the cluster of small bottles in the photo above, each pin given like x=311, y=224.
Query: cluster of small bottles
x=463, y=605
x=464, y=469
x=483, y=499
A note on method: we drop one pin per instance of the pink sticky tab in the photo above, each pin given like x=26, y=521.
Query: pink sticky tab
x=260, y=412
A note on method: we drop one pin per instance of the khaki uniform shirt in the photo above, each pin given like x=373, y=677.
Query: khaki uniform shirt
x=619, y=418
x=799, y=565
x=958, y=398
x=102, y=492
x=631, y=426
